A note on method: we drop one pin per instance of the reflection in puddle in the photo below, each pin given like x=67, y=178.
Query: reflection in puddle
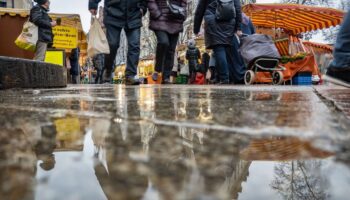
x=157, y=162
x=282, y=149
x=125, y=149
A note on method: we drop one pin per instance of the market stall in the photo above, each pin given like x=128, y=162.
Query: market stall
x=68, y=35
x=284, y=22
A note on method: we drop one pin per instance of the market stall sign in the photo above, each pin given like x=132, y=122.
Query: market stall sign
x=65, y=37
x=55, y=57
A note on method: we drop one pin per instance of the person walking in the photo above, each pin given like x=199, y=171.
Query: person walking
x=166, y=20
x=39, y=17
x=75, y=67
x=192, y=56
x=221, y=22
x=238, y=69
x=98, y=62
x=339, y=70
x=122, y=15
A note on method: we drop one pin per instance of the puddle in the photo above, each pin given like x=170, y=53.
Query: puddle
x=171, y=143
x=90, y=158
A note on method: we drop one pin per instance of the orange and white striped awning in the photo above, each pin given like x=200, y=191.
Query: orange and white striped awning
x=319, y=46
x=293, y=18
x=283, y=46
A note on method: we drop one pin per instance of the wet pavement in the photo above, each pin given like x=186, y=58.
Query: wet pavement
x=175, y=142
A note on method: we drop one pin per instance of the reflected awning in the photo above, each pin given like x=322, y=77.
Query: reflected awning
x=282, y=149
x=293, y=18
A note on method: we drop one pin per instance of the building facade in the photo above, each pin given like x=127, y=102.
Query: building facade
x=19, y=4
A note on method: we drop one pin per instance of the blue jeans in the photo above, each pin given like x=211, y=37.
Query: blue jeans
x=222, y=63
x=133, y=36
x=342, y=45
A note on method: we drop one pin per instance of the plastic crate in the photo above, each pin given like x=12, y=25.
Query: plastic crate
x=181, y=79
x=303, y=78
x=151, y=81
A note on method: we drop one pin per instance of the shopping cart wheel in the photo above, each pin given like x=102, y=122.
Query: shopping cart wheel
x=277, y=78
x=249, y=77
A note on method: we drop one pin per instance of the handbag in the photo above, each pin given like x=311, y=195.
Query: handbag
x=225, y=10
x=29, y=37
x=97, y=43
x=176, y=11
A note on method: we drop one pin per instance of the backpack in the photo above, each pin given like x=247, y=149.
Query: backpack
x=225, y=10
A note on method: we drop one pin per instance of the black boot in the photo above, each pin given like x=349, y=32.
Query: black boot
x=74, y=79
x=107, y=76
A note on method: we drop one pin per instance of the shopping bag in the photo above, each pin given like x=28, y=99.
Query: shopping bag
x=97, y=43
x=28, y=38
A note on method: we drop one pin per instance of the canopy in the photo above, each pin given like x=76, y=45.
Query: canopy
x=319, y=47
x=293, y=18
x=283, y=46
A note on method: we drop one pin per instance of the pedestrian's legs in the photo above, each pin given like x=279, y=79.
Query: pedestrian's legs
x=40, y=51
x=221, y=63
x=113, y=37
x=169, y=61
x=133, y=36
x=237, y=69
x=342, y=45
x=162, y=47
x=97, y=76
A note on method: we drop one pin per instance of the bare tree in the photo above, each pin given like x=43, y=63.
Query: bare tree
x=310, y=2
x=330, y=35
x=300, y=180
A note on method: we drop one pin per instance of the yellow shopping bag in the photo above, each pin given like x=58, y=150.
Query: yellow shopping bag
x=28, y=38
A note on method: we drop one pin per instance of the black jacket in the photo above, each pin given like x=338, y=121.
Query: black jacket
x=216, y=32
x=39, y=16
x=122, y=13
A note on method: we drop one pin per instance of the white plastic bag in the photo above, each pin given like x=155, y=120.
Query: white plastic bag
x=28, y=38
x=98, y=43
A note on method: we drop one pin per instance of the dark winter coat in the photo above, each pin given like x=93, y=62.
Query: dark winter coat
x=216, y=32
x=193, y=55
x=39, y=16
x=161, y=18
x=74, y=62
x=247, y=25
x=248, y=28
x=122, y=13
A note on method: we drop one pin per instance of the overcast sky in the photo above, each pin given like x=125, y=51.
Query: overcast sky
x=81, y=7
